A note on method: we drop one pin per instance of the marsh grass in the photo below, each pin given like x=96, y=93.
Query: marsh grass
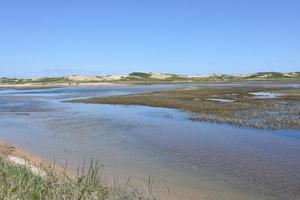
x=19, y=182
x=275, y=113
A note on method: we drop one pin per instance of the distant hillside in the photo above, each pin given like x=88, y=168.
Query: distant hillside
x=142, y=77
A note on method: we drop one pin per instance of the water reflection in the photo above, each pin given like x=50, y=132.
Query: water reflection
x=194, y=159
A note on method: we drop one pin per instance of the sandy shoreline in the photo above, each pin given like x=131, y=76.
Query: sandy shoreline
x=32, y=86
x=7, y=149
x=57, y=85
x=21, y=157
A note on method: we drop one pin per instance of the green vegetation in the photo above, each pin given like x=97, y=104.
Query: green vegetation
x=18, y=182
x=5, y=80
x=274, y=75
x=52, y=80
x=232, y=105
x=140, y=74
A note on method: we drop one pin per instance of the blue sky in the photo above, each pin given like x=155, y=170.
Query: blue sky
x=53, y=37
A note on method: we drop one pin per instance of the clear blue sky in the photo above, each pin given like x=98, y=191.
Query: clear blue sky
x=52, y=37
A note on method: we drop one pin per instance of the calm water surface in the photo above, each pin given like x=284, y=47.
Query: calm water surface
x=186, y=159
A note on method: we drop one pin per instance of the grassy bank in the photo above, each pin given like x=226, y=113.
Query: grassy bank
x=233, y=105
x=20, y=180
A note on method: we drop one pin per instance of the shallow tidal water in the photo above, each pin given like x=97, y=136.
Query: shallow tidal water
x=186, y=159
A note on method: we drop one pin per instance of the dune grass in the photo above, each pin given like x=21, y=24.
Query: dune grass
x=147, y=78
x=19, y=182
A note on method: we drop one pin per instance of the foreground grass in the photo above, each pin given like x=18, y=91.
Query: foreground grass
x=282, y=112
x=19, y=182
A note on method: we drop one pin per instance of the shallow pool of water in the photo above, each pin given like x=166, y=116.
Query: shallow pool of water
x=186, y=159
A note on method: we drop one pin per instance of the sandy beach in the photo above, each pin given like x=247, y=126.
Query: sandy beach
x=21, y=157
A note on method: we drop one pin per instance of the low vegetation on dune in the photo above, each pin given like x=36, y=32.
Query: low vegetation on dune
x=150, y=78
x=234, y=105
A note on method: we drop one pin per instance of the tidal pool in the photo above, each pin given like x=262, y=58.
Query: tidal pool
x=186, y=159
x=265, y=95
